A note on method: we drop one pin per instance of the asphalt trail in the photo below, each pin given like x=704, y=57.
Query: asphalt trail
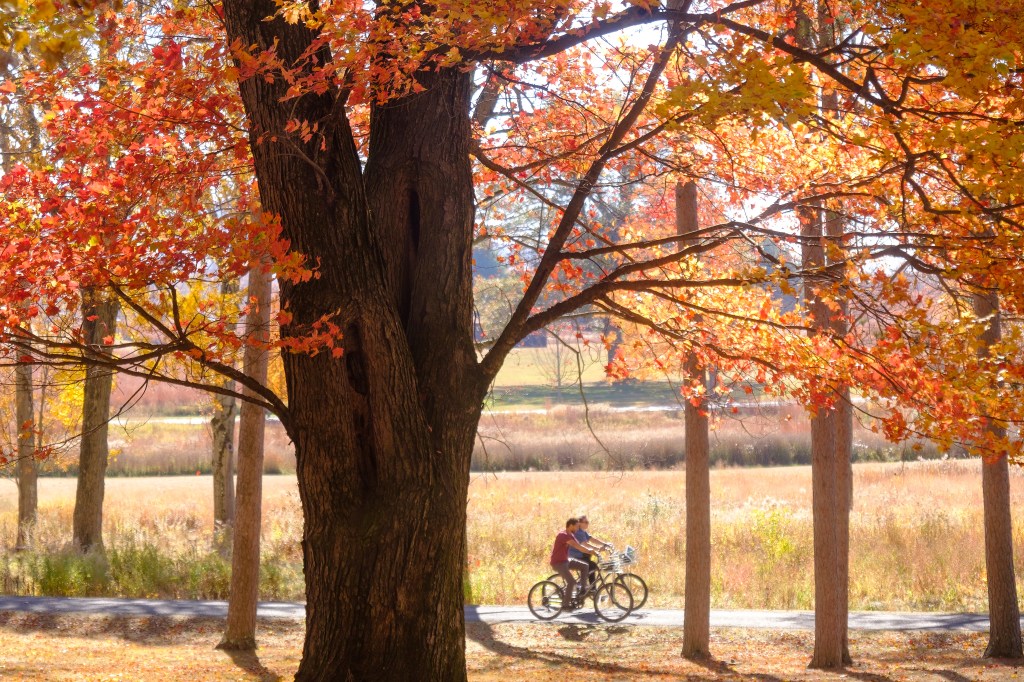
x=777, y=620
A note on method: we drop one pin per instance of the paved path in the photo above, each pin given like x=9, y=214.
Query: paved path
x=782, y=620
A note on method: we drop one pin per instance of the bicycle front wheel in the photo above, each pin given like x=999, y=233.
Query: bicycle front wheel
x=613, y=602
x=636, y=585
x=545, y=600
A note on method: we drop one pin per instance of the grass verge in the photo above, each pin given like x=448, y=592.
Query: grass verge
x=36, y=648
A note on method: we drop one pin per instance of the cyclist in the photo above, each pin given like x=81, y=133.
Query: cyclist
x=561, y=562
x=585, y=538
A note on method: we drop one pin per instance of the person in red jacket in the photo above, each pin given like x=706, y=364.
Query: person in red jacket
x=561, y=562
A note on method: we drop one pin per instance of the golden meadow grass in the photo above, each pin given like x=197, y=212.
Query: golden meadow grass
x=555, y=439
x=916, y=536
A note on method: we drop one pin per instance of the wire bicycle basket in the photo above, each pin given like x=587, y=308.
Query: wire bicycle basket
x=629, y=556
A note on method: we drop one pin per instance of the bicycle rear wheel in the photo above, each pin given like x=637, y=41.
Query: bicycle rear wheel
x=613, y=602
x=545, y=600
x=636, y=585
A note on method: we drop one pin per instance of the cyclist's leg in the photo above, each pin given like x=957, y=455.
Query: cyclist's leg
x=584, y=568
x=562, y=569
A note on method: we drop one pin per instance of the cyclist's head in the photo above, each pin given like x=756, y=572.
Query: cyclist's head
x=583, y=519
x=571, y=522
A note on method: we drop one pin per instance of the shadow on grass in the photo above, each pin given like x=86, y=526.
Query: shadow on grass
x=867, y=677
x=483, y=634
x=951, y=675
x=718, y=668
x=249, y=661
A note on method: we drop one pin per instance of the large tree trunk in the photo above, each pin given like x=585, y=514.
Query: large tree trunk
x=240, y=630
x=28, y=466
x=1004, y=639
x=697, y=606
x=222, y=427
x=830, y=631
x=383, y=434
x=99, y=320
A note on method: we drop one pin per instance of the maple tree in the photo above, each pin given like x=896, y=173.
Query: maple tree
x=374, y=130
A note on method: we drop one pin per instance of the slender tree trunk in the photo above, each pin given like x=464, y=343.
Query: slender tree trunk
x=834, y=227
x=222, y=426
x=240, y=631
x=384, y=432
x=697, y=600
x=1004, y=639
x=829, y=610
x=28, y=466
x=99, y=320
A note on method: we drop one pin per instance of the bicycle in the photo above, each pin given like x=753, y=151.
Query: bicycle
x=612, y=601
x=636, y=585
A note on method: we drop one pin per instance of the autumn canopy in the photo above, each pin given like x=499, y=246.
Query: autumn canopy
x=858, y=166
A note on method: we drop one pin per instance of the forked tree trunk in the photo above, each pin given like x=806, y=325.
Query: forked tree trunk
x=1004, y=639
x=384, y=433
x=28, y=466
x=697, y=600
x=99, y=320
x=830, y=632
x=240, y=630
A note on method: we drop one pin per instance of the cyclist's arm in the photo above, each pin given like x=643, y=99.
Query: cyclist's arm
x=577, y=545
x=598, y=541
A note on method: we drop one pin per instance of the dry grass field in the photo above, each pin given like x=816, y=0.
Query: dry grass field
x=557, y=437
x=916, y=536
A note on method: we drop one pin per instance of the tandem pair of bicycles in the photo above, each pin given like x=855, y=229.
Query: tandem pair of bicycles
x=614, y=589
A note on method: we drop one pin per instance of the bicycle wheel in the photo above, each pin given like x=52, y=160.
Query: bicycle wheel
x=636, y=585
x=613, y=602
x=545, y=600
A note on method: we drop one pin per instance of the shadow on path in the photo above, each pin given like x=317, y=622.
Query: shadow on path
x=483, y=634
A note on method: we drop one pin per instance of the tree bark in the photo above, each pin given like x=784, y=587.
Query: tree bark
x=240, y=630
x=383, y=434
x=28, y=466
x=222, y=427
x=830, y=631
x=697, y=600
x=834, y=227
x=99, y=320
x=1004, y=639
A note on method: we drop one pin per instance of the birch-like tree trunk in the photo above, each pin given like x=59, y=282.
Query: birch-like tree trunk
x=240, y=630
